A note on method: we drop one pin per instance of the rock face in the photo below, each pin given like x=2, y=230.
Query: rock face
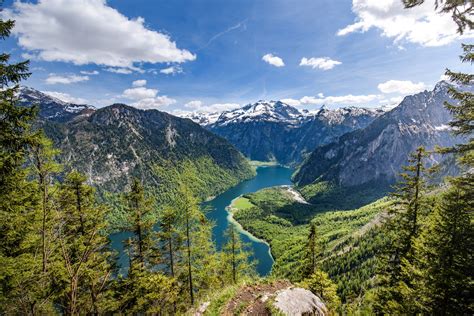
x=298, y=301
x=275, y=131
x=377, y=152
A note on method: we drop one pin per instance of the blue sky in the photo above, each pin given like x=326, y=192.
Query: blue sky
x=209, y=55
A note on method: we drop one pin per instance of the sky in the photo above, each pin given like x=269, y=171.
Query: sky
x=213, y=55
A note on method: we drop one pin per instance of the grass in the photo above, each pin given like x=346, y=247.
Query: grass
x=220, y=300
x=241, y=203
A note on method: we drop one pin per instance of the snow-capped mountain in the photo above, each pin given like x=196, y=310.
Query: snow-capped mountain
x=263, y=111
x=202, y=118
x=53, y=108
x=273, y=130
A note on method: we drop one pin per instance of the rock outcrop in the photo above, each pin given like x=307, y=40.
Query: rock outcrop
x=298, y=301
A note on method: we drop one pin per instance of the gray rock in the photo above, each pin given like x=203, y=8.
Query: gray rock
x=298, y=301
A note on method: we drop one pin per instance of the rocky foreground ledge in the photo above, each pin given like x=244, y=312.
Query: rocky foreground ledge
x=275, y=298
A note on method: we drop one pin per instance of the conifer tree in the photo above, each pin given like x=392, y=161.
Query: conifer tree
x=139, y=209
x=20, y=292
x=404, y=227
x=84, y=247
x=443, y=254
x=171, y=237
x=321, y=285
x=311, y=252
x=45, y=167
x=235, y=256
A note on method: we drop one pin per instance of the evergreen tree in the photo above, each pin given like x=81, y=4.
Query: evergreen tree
x=171, y=238
x=45, y=167
x=235, y=257
x=443, y=254
x=139, y=209
x=404, y=227
x=312, y=252
x=84, y=247
x=321, y=285
x=20, y=289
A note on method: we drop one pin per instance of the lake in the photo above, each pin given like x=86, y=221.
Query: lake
x=266, y=177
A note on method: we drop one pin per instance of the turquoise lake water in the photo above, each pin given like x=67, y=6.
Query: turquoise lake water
x=266, y=177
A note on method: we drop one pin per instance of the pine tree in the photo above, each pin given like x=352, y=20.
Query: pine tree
x=321, y=285
x=312, y=252
x=236, y=258
x=443, y=253
x=404, y=227
x=44, y=169
x=84, y=247
x=171, y=237
x=139, y=208
x=20, y=290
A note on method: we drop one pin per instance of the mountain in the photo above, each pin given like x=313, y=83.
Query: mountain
x=275, y=131
x=51, y=108
x=112, y=144
x=377, y=152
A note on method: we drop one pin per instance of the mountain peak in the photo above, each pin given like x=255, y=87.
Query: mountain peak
x=52, y=108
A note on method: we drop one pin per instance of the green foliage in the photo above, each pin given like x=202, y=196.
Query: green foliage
x=347, y=240
x=139, y=207
x=147, y=292
x=325, y=195
x=236, y=258
x=85, y=258
x=321, y=285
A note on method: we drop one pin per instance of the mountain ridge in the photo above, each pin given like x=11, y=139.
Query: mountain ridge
x=378, y=151
x=275, y=131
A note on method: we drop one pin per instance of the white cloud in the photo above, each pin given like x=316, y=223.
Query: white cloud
x=154, y=103
x=90, y=73
x=273, y=60
x=392, y=102
x=139, y=93
x=58, y=79
x=401, y=86
x=122, y=71
x=292, y=102
x=324, y=63
x=344, y=99
x=139, y=83
x=199, y=106
x=330, y=100
x=195, y=104
x=89, y=32
x=65, y=97
x=146, y=98
x=421, y=25
x=171, y=70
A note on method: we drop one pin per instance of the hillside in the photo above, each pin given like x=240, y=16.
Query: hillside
x=113, y=144
x=276, y=216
